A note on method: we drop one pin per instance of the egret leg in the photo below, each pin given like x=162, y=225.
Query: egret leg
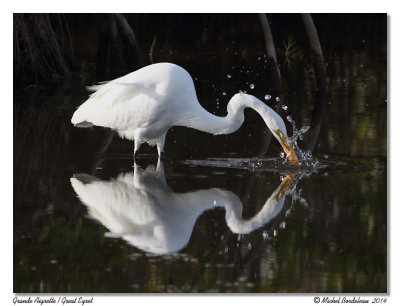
x=160, y=171
x=160, y=144
x=136, y=149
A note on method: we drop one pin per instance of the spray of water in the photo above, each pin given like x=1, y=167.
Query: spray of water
x=295, y=194
x=305, y=157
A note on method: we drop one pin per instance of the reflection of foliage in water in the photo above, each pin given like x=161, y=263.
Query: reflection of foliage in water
x=310, y=252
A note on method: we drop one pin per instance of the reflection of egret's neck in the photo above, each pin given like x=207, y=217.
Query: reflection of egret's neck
x=140, y=208
x=270, y=210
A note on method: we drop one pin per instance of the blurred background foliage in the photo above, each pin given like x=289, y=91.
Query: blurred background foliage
x=48, y=46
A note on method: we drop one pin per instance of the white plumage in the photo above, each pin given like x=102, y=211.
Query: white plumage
x=140, y=208
x=145, y=104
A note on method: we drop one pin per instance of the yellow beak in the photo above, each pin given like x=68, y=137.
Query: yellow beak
x=285, y=185
x=288, y=148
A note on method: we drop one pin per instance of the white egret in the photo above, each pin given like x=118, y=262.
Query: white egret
x=143, y=105
x=140, y=208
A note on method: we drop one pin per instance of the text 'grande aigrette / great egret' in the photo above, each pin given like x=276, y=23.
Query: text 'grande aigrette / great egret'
x=143, y=105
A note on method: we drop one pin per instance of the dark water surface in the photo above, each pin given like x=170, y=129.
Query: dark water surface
x=211, y=217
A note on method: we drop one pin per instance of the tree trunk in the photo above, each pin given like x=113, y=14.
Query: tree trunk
x=272, y=65
x=134, y=55
x=271, y=55
x=316, y=51
x=321, y=101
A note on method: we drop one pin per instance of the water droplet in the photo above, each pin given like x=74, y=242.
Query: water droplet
x=265, y=234
x=241, y=92
x=275, y=233
x=228, y=76
x=267, y=97
x=282, y=225
x=284, y=107
x=249, y=246
x=251, y=86
x=304, y=129
x=224, y=93
x=226, y=250
x=277, y=99
x=282, y=154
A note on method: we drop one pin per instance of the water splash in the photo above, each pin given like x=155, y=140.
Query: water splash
x=305, y=157
x=293, y=198
x=295, y=192
x=260, y=165
x=282, y=163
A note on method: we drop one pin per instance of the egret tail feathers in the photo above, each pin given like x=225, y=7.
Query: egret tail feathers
x=84, y=124
x=96, y=87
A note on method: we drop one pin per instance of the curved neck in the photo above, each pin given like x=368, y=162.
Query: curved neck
x=270, y=210
x=238, y=225
x=270, y=117
x=204, y=121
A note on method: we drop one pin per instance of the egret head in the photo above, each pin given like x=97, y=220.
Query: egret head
x=271, y=118
x=287, y=146
x=278, y=129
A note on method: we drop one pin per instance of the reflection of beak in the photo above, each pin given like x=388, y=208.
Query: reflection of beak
x=286, y=183
x=288, y=148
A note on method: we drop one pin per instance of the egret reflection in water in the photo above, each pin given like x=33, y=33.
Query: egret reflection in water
x=140, y=208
